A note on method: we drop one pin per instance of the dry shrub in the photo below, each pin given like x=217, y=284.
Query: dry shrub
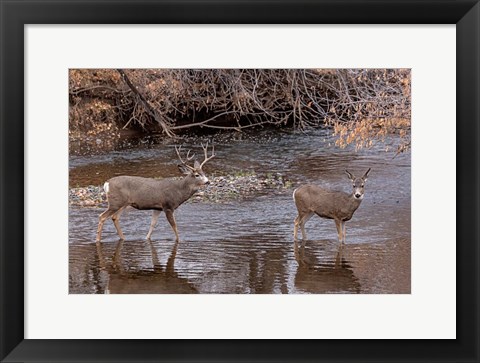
x=382, y=106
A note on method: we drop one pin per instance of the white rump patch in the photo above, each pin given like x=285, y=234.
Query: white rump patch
x=106, y=187
x=294, y=194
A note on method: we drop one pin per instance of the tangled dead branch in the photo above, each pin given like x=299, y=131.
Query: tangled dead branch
x=359, y=104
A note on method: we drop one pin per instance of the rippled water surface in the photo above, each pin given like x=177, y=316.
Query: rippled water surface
x=246, y=246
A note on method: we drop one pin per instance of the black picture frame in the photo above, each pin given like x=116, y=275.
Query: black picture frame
x=15, y=14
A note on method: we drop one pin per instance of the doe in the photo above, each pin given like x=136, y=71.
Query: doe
x=337, y=205
x=153, y=194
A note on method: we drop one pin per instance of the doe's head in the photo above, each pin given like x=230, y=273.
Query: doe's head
x=358, y=184
x=195, y=172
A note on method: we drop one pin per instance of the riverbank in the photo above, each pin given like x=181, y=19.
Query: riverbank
x=220, y=189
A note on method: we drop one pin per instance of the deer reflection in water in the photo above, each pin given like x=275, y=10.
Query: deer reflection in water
x=154, y=280
x=328, y=275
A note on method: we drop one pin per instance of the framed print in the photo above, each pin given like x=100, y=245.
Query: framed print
x=55, y=307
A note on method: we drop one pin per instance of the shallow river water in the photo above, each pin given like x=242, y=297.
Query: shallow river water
x=246, y=246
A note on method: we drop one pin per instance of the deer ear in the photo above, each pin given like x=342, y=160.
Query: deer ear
x=183, y=169
x=196, y=165
x=364, y=177
x=350, y=175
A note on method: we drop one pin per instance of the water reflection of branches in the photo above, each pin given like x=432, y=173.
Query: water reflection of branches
x=328, y=275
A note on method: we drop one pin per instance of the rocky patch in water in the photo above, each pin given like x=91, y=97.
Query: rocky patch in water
x=221, y=189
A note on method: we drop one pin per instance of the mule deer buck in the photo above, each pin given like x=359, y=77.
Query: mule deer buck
x=336, y=205
x=153, y=194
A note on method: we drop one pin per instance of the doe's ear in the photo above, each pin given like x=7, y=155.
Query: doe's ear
x=364, y=177
x=350, y=175
x=183, y=169
x=196, y=165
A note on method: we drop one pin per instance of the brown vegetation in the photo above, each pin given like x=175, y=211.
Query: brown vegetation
x=361, y=105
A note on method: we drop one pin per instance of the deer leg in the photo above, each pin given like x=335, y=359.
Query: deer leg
x=171, y=220
x=115, y=219
x=339, y=230
x=295, y=227
x=101, y=220
x=344, y=231
x=155, y=215
x=304, y=220
x=302, y=227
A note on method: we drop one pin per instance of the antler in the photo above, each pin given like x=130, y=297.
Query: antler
x=188, y=157
x=206, y=154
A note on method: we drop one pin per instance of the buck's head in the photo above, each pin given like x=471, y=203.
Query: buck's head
x=195, y=172
x=358, y=184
